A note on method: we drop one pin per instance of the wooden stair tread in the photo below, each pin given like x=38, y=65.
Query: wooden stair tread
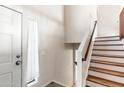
x=106, y=71
x=115, y=56
x=108, y=63
x=104, y=81
x=112, y=76
x=108, y=44
x=107, y=40
x=107, y=36
x=108, y=49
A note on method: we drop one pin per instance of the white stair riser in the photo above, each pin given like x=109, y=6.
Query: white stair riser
x=107, y=77
x=92, y=84
x=109, y=42
x=109, y=67
x=112, y=38
x=112, y=53
x=111, y=59
x=109, y=47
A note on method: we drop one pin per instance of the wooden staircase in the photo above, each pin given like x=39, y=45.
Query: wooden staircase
x=107, y=63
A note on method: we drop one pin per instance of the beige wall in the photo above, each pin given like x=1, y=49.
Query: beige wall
x=78, y=22
x=55, y=56
x=108, y=20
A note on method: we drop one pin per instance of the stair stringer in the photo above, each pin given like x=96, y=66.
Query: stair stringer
x=86, y=65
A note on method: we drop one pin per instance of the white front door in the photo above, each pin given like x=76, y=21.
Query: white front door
x=10, y=48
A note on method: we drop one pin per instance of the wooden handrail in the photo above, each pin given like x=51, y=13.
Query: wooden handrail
x=86, y=55
x=121, y=18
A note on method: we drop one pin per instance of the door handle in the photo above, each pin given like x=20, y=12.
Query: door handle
x=18, y=62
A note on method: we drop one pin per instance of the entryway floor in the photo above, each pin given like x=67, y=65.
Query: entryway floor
x=53, y=84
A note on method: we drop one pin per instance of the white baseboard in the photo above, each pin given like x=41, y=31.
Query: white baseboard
x=44, y=85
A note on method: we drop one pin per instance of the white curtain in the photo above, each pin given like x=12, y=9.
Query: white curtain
x=33, y=59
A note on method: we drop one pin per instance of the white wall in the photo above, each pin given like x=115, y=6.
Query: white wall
x=55, y=56
x=50, y=27
x=78, y=21
x=108, y=20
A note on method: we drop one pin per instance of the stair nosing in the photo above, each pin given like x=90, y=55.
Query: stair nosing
x=107, y=36
x=107, y=40
x=98, y=83
x=106, y=72
x=108, y=44
x=100, y=62
x=107, y=50
x=107, y=56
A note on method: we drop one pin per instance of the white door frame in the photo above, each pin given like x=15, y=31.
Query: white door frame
x=22, y=63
